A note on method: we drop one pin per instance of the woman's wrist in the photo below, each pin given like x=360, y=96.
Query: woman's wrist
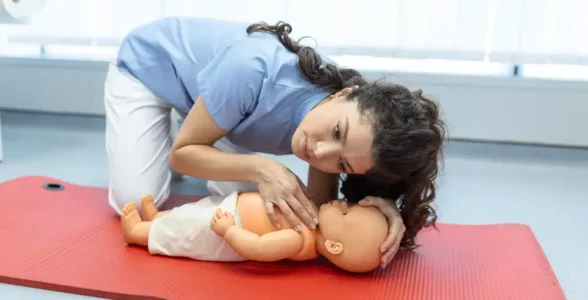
x=265, y=169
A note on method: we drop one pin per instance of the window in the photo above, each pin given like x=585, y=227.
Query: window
x=455, y=36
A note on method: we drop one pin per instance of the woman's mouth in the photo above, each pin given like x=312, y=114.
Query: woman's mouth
x=304, y=149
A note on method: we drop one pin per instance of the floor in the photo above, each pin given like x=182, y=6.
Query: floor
x=480, y=183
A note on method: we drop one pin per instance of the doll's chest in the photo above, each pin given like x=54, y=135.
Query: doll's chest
x=254, y=218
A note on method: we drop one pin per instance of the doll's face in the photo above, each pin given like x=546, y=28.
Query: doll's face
x=350, y=236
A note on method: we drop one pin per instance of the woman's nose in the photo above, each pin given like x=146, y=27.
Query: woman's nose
x=326, y=149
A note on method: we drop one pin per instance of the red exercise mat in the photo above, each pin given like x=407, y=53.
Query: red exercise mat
x=69, y=240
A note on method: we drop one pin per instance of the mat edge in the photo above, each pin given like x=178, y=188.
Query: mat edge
x=71, y=290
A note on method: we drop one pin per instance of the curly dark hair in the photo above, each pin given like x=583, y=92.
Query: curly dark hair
x=408, y=136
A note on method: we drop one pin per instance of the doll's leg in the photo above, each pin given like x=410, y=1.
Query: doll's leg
x=150, y=211
x=135, y=230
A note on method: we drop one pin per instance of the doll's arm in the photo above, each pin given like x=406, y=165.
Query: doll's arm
x=271, y=246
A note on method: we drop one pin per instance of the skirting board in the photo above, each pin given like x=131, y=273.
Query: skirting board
x=483, y=108
x=1, y=147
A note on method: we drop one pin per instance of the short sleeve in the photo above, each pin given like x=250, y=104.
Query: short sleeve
x=231, y=83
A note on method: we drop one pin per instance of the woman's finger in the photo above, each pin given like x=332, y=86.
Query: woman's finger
x=379, y=203
x=393, y=232
x=389, y=255
x=304, y=188
x=400, y=237
x=392, y=251
x=271, y=213
x=309, y=207
x=367, y=201
x=386, y=259
x=389, y=241
x=387, y=207
x=289, y=215
x=301, y=210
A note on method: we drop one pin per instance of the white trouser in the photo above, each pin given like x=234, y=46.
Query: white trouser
x=138, y=141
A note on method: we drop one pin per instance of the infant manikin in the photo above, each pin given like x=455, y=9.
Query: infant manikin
x=236, y=228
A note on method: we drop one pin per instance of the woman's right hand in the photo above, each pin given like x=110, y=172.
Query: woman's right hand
x=280, y=186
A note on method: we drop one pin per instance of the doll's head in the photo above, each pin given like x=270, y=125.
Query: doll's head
x=350, y=236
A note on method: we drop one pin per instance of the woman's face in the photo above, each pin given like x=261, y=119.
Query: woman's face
x=334, y=138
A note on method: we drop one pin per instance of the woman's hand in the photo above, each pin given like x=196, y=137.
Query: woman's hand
x=396, y=231
x=279, y=186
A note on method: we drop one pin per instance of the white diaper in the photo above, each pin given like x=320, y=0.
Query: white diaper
x=185, y=231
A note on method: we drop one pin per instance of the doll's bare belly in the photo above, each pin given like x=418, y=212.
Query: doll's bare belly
x=253, y=217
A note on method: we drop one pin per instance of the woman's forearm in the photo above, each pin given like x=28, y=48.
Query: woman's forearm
x=322, y=186
x=210, y=163
x=193, y=153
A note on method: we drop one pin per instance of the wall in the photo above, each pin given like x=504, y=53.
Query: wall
x=520, y=110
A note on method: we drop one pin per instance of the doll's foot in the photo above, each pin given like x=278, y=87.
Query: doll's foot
x=149, y=208
x=129, y=219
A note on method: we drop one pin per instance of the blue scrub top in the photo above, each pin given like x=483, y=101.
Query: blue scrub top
x=251, y=84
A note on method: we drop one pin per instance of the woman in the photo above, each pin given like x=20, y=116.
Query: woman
x=250, y=89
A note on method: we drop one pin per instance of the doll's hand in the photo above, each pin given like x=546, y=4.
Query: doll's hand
x=221, y=222
x=396, y=232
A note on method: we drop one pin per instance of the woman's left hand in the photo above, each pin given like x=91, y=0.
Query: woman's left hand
x=396, y=231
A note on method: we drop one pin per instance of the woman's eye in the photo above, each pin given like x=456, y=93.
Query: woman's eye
x=336, y=132
x=344, y=213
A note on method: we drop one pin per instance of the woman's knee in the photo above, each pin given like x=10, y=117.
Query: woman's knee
x=121, y=195
x=117, y=202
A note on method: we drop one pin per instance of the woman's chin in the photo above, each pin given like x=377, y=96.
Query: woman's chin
x=300, y=157
x=296, y=153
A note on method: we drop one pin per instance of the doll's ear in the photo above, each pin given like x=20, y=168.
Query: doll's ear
x=334, y=247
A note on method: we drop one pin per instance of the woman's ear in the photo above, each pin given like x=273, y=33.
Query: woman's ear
x=334, y=247
x=345, y=91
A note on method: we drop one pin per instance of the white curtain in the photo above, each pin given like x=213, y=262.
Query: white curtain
x=511, y=31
